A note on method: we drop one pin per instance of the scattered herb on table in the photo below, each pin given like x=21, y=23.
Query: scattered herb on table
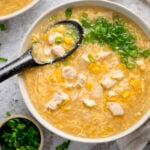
x=19, y=134
x=51, y=133
x=2, y=27
x=68, y=12
x=116, y=35
x=63, y=146
x=8, y=113
x=2, y=59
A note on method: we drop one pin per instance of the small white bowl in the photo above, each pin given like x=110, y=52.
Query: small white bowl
x=31, y=120
x=103, y=3
x=20, y=11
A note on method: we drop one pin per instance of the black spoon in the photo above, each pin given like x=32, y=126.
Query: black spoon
x=27, y=60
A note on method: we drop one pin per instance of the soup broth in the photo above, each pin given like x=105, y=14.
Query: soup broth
x=92, y=93
x=10, y=6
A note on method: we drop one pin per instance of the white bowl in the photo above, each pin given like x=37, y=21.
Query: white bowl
x=24, y=92
x=31, y=120
x=20, y=11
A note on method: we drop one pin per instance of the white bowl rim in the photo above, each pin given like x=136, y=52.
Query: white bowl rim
x=49, y=126
x=20, y=11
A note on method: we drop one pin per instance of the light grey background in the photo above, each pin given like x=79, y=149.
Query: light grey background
x=10, y=97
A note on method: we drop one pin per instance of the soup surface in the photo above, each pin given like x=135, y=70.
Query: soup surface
x=103, y=88
x=10, y=6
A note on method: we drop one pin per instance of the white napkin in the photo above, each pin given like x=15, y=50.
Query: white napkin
x=136, y=140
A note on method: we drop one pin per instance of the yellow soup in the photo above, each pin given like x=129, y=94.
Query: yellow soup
x=10, y=6
x=97, y=91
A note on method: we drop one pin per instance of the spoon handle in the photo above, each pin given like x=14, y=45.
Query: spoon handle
x=16, y=66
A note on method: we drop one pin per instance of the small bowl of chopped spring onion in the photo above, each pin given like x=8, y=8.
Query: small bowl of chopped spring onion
x=20, y=132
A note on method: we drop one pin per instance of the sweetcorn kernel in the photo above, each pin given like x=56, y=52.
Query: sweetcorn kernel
x=58, y=76
x=51, y=78
x=127, y=93
x=65, y=108
x=58, y=73
x=59, y=124
x=68, y=40
x=67, y=46
x=60, y=28
x=45, y=37
x=136, y=83
x=123, y=67
x=91, y=65
x=113, y=98
x=96, y=69
x=104, y=68
x=106, y=95
x=68, y=100
x=88, y=85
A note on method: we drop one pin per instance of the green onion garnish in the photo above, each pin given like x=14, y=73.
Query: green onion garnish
x=63, y=146
x=116, y=35
x=68, y=12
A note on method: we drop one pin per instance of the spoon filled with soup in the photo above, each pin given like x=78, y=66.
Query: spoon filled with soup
x=58, y=42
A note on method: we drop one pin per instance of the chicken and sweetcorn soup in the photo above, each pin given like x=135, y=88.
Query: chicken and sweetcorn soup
x=10, y=6
x=103, y=88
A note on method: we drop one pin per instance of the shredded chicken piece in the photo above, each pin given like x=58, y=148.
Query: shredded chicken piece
x=115, y=108
x=103, y=54
x=57, y=99
x=68, y=72
x=58, y=50
x=47, y=50
x=141, y=64
x=98, y=92
x=108, y=82
x=81, y=80
x=89, y=103
x=112, y=93
x=117, y=74
x=84, y=60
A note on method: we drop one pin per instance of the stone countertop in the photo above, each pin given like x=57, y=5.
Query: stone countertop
x=10, y=97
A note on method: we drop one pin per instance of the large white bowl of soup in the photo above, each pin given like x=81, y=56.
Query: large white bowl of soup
x=12, y=8
x=101, y=92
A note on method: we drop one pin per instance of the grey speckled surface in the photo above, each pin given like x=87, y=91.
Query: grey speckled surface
x=10, y=97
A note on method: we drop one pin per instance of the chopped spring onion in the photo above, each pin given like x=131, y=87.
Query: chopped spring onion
x=53, y=17
x=2, y=27
x=91, y=58
x=8, y=113
x=19, y=134
x=63, y=146
x=58, y=40
x=2, y=59
x=116, y=35
x=68, y=12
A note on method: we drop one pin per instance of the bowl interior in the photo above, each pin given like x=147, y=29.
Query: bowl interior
x=31, y=108
x=20, y=11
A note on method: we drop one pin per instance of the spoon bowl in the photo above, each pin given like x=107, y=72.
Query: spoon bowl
x=28, y=60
